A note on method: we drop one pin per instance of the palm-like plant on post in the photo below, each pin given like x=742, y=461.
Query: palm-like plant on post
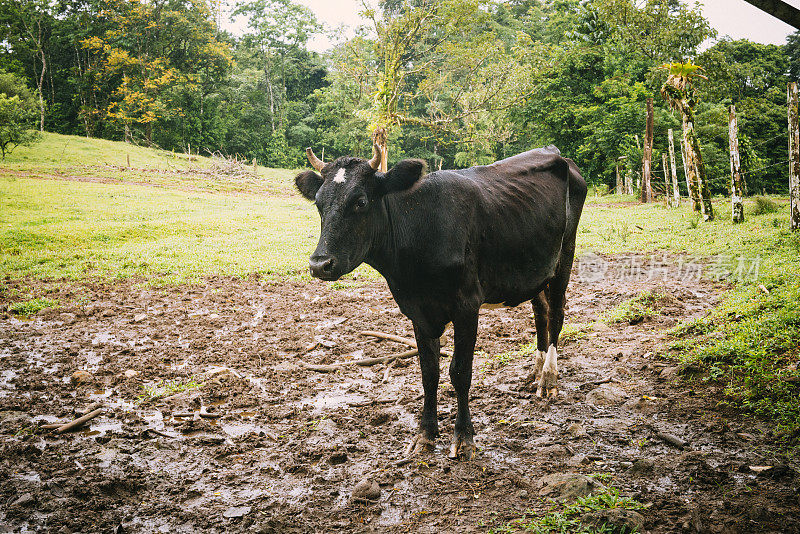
x=679, y=93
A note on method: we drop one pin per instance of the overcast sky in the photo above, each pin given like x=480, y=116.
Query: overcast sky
x=735, y=18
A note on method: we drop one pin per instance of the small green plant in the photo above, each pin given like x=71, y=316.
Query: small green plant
x=574, y=331
x=763, y=205
x=165, y=388
x=643, y=306
x=504, y=358
x=32, y=306
x=566, y=518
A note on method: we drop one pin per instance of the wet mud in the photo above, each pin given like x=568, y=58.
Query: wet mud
x=211, y=423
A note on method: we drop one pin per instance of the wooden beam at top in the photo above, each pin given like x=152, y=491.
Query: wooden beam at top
x=780, y=10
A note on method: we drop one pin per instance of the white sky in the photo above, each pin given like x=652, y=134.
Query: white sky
x=735, y=18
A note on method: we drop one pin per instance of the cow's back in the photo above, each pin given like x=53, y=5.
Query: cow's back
x=500, y=224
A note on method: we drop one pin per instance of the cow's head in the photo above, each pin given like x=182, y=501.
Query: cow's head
x=348, y=193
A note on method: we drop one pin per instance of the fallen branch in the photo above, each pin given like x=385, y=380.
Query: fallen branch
x=605, y=380
x=206, y=415
x=388, y=370
x=390, y=337
x=51, y=426
x=366, y=362
x=79, y=421
x=159, y=433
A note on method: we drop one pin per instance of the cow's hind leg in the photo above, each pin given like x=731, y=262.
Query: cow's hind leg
x=465, y=331
x=556, y=299
x=540, y=312
x=429, y=363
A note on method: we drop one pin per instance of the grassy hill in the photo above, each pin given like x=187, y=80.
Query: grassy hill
x=71, y=208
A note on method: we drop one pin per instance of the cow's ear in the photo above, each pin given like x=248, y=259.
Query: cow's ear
x=402, y=176
x=308, y=183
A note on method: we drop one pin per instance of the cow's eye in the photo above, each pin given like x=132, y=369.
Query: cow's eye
x=360, y=204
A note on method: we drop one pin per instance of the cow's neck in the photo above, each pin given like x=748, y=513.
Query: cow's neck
x=386, y=242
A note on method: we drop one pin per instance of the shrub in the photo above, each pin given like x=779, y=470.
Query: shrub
x=763, y=205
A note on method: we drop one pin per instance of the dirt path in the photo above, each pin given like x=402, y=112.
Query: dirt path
x=290, y=444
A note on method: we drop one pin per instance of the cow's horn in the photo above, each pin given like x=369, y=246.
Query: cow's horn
x=317, y=163
x=375, y=162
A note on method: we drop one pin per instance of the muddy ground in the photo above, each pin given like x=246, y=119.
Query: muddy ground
x=284, y=446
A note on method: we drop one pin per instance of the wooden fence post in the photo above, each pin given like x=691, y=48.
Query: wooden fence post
x=676, y=193
x=647, y=155
x=737, y=211
x=794, y=158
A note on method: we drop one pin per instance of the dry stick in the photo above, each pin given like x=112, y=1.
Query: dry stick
x=79, y=421
x=366, y=362
x=597, y=382
x=390, y=337
x=388, y=370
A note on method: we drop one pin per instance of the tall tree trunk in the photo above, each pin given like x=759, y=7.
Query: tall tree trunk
x=271, y=97
x=794, y=157
x=689, y=168
x=706, y=209
x=676, y=193
x=666, y=178
x=737, y=210
x=148, y=133
x=647, y=156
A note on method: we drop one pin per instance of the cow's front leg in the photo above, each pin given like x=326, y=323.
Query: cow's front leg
x=465, y=332
x=429, y=364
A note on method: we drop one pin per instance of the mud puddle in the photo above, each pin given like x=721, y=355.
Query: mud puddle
x=211, y=424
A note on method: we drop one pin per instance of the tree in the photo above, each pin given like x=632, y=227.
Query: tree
x=439, y=69
x=17, y=113
x=149, y=54
x=279, y=26
x=680, y=94
x=28, y=24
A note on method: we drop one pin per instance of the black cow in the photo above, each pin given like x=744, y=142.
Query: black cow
x=447, y=243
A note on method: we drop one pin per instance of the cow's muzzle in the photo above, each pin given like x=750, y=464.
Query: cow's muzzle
x=323, y=267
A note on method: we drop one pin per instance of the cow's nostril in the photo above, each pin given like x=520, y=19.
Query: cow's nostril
x=322, y=268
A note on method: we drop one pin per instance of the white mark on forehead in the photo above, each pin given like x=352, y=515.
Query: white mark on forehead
x=339, y=178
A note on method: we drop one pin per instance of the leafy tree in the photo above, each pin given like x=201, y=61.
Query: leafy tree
x=28, y=25
x=279, y=27
x=149, y=54
x=17, y=113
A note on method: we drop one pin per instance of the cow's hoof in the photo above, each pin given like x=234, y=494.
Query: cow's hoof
x=420, y=445
x=547, y=385
x=462, y=448
x=550, y=393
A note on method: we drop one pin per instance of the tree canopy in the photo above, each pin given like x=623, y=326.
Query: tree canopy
x=456, y=82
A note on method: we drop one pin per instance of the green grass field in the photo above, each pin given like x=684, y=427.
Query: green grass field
x=168, y=221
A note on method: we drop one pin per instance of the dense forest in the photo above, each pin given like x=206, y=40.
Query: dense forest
x=456, y=82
